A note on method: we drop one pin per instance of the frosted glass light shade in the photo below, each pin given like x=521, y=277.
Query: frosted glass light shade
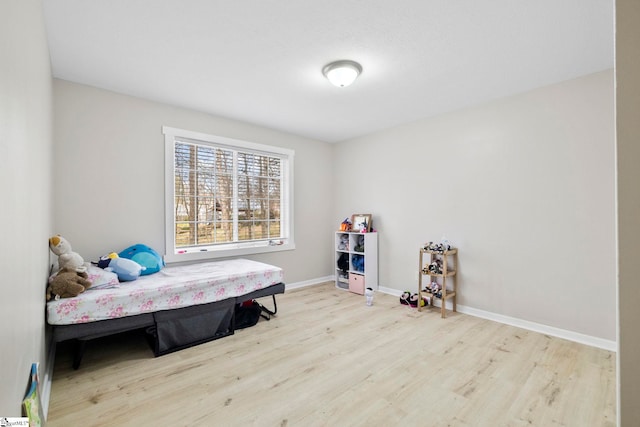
x=342, y=73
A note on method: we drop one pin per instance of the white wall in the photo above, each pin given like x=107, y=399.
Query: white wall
x=109, y=176
x=25, y=177
x=524, y=186
x=628, y=159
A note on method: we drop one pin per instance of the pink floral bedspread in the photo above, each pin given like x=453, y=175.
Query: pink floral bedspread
x=172, y=287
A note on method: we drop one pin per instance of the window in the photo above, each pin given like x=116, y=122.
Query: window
x=225, y=197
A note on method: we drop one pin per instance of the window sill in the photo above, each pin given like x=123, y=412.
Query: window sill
x=200, y=255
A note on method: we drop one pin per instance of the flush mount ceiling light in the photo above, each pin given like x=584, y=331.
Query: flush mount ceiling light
x=342, y=73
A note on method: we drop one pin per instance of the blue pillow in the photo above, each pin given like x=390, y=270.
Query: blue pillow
x=145, y=256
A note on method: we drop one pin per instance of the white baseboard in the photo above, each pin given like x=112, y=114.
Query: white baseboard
x=524, y=324
x=543, y=329
x=311, y=282
x=389, y=291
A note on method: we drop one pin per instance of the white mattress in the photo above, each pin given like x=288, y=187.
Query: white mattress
x=170, y=288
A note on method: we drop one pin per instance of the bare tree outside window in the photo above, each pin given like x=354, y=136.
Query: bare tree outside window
x=218, y=190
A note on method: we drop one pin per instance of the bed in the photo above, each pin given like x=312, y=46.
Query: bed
x=179, y=306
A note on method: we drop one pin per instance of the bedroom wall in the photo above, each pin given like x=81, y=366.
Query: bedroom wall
x=524, y=186
x=25, y=177
x=109, y=176
x=628, y=159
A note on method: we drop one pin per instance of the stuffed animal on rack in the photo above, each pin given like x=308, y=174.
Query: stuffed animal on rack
x=438, y=247
x=359, y=244
x=67, y=283
x=66, y=256
x=435, y=267
x=436, y=289
x=429, y=246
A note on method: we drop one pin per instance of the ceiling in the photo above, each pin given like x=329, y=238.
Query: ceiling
x=260, y=61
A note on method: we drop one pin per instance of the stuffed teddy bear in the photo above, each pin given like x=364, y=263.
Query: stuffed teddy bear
x=66, y=257
x=67, y=283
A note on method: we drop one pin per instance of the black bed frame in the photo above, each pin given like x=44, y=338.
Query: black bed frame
x=170, y=330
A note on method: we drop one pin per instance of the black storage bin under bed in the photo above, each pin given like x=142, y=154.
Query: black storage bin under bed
x=185, y=327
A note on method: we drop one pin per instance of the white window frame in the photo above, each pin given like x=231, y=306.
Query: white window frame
x=171, y=253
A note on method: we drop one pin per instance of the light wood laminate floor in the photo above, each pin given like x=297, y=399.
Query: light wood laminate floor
x=329, y=360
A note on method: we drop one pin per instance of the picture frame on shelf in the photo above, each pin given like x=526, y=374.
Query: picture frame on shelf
x=361, y=222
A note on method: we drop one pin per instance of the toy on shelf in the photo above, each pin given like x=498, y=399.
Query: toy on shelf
x=346, y=225
x=344, y=243
x=434, y=268
x=343, y=263
x=358, y=263
x=359, y=244
x=435, y=289
x=437, y=247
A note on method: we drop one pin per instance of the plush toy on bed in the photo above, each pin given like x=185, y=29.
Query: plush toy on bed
x=67, y=283
x=145, y=256
x=66, y=257
x=126, y=269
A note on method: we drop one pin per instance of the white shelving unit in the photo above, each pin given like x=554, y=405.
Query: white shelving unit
x=353, y=247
